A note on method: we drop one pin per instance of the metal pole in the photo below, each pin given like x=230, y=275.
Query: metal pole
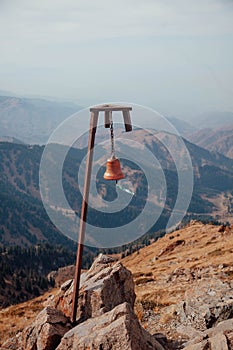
x=91, y=142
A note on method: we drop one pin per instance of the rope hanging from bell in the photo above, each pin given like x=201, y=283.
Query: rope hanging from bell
x=113, y=166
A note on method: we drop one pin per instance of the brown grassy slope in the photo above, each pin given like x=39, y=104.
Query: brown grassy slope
x=164, y=270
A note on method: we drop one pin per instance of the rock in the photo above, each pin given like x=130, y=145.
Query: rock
x=200, y=346
x=14, y=343
x=171, y=247
x=66, y=285
x=100, y=261
x=222, y=228
x=219, y=342
x=117, y=329
x=182, y=274
x=62, y=274
x=218, y=338
x=222, y=327
x=229, y=336
x=44, y=333
x=190, y=332
x=206, y=304
x=106, y=285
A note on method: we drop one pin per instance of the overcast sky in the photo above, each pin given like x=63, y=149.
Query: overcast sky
x=173, y=55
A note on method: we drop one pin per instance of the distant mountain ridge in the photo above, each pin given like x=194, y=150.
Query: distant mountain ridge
x=10, y=139
x=216, y=140
x=183, y=127
x=32, y=120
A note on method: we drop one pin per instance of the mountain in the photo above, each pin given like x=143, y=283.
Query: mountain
x=24, y=220
x=10, y=139
x=215, y=140
x=32, y=120
x=7, y=93
x=182, y=126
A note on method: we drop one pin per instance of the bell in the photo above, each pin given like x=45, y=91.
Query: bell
x=113, y=170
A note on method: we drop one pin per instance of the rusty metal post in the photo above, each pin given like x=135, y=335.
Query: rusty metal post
x=91, y=142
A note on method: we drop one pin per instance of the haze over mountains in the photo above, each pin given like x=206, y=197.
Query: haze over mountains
x=31, y=120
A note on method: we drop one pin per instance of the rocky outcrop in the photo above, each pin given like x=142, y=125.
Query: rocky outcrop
x=44, y=333
x=106, y=318
x=62, y=275
x=216, y=338
x=106, y=285
x=105, y=315
x=206, y=304
x=206, y=316
x=117, y=329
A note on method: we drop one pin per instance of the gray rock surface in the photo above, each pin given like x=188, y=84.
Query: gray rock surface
x=105, y=315
x=44, y=333
x=218, y=342
x=219, y=337
x=117, y=329
x=106, y=285
x=206, y=304
x=200, y=346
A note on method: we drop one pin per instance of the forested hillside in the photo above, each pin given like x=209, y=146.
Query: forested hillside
x=24, y=270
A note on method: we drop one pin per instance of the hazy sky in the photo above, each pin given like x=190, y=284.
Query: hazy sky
x=173, y=55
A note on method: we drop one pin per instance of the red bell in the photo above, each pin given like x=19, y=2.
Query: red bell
x=113, y=170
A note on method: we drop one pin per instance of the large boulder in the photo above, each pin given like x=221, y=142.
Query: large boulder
x=44, y=333
x=219, y=337
x=106, y=285
x=117, y=329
